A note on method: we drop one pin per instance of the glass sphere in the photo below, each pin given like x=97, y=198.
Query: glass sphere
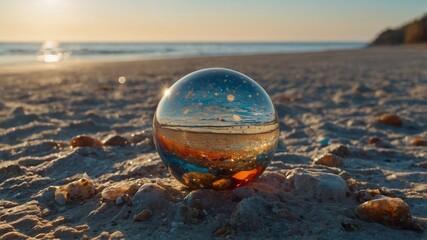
x=215, y=128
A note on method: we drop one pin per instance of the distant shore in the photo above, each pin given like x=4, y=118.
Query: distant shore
x=42, y=66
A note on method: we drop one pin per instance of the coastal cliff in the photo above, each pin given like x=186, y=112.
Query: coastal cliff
x=413, y=32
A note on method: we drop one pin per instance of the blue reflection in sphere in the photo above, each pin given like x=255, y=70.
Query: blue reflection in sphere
x=216, y=128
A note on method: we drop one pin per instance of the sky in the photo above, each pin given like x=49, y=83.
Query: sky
x=203, y=20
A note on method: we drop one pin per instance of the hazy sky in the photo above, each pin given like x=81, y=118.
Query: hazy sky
x=202, y=20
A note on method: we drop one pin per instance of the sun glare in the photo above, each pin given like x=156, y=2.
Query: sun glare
x=166, y=92
x=50, y=58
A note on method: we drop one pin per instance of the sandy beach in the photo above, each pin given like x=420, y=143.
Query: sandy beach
x=327, y=102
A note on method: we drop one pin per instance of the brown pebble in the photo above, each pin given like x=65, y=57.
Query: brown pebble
x=390, y=119
x=330, y=160
x=286, y=98
x=103, y=88
x=339, y=150
x=120, y=189
x=116, y=141
x=84, y=141
x=144, y=215
x=78, y=190
x=373, y=140
x=393, y=212
x=416, y=141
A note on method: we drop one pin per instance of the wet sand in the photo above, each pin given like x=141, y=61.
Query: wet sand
x=326, y=102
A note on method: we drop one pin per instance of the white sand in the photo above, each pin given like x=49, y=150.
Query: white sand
x=333, y=95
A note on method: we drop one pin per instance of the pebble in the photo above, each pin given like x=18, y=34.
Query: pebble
x=390, y=119
x=113, y=192
x=250, y=214
x=74, y=191
x=115, y=140
x=378, y=142
x=360, y=88
x=153, y=197
x=17, y=111
x=324, y=142
x=84, y=141
x=393, y=212
x=322, y=186
x=419, y=142
x=380, y=93
x=330, y=160
x=339, y=150
x=143, y=216
x=120, y=200
x=208, y=199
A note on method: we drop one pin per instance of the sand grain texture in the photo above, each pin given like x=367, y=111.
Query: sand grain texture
x=327, y=103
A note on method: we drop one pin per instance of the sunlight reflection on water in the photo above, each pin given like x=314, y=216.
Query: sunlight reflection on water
x=50, y=52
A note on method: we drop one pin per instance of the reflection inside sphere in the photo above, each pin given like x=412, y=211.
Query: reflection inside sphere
x=215, y=128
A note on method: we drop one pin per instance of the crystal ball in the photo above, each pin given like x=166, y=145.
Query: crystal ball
x=215, y=128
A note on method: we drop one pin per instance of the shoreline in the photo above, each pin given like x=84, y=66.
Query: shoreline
x=40, y=66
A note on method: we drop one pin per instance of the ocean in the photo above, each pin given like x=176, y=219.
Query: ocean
x=13, y=53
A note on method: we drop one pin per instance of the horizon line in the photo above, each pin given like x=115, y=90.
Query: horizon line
x=180, y=41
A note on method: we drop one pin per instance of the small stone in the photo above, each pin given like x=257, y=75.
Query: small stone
x=339, y=150
x=419, y=142
x=143, y=216
x=390, y=119
x=77, y=190
x=322, y=186
x=115, y=140
x=84, y=141
x=81, y=189
x=373, y=140
x=378, y=142
x=380, y=93
x=18, y=111
x=330, y=160
x=251, y=213
x=393, y=212
x=208, y=199
x=360, y=88
x=120, y=200
x=324, y=142
x=153, y=197
x=103, y=88
x=113, y=192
